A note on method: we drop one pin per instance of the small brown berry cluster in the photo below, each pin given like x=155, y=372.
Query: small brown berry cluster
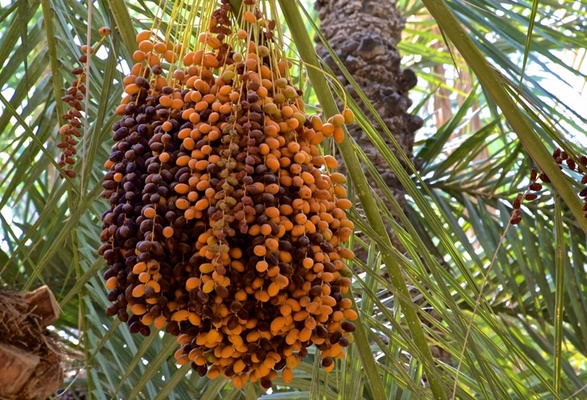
x=70, y=131
x=561, y=157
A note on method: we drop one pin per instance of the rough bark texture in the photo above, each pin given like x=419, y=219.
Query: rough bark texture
x=364, y=34
x=30, y=358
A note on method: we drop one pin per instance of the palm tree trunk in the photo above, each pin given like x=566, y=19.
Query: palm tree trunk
x=364, y=35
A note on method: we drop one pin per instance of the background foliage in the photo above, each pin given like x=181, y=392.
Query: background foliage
x=503, y=83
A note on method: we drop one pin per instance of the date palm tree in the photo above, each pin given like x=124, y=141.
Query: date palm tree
x=506, y=302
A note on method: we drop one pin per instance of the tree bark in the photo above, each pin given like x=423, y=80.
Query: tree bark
x=364, y=34
x=30, y=358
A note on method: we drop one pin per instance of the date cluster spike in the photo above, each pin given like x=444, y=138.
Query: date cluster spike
x=227, y=224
